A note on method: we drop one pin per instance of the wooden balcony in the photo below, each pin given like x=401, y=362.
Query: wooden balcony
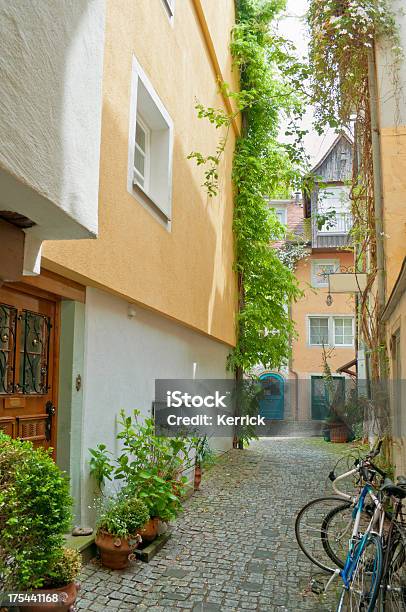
x=333, y=235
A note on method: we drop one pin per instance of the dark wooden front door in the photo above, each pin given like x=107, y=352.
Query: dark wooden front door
x=28, y=365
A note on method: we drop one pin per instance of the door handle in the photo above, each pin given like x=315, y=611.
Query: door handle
x=50, y=410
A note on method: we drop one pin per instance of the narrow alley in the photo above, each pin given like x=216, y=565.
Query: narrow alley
x=234, y=546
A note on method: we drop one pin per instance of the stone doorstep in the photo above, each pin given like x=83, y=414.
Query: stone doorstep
x=88, y=549
x=84, y=544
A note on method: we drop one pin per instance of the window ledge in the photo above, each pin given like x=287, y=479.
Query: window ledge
x=146, y=199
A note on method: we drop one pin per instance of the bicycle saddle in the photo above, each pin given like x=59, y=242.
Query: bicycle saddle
x=390, y=488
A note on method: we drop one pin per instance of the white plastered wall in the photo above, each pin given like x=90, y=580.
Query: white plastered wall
x=51, y=62
x=123, y=357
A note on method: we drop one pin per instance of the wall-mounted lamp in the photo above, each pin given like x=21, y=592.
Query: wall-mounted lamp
x=131, y=312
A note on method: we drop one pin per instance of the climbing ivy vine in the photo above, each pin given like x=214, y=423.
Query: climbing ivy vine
x=271, y=78
x=342, y=35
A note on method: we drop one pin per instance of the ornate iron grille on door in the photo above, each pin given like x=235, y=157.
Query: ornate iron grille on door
x=8, y=327
x=34, y=353
x=24, y=351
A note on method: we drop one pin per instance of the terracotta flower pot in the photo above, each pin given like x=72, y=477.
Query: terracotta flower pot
x=198, y=477
x=67, y=594
x=338, y=433
x=115, y=551
x=150, y=530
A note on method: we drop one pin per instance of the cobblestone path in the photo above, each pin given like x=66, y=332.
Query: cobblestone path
x=234, y=547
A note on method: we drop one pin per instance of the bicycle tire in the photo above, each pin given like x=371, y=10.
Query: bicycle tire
x=393, y=585
x=345, y=535
x=351, y=598
x=338, y=504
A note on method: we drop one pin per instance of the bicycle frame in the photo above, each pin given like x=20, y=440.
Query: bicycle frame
x=355, y=552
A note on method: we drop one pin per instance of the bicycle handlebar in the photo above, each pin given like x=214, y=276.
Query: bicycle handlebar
x=363, y=467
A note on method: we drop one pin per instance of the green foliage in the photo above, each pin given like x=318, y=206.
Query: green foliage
x=204, y=455
x=35, y=512
x=342, y=35
x=149, y=466
x=271, y=79
x=65, y=570
x=292, y=252
x=249, y=394
x=123, y=516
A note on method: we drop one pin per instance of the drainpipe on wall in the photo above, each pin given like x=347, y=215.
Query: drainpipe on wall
x=378, y=198
x=376, y=159
x=295, y=374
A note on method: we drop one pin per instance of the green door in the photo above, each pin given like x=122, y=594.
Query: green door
x=320, y=399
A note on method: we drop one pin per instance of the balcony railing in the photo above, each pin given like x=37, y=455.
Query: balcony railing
x=334, y=233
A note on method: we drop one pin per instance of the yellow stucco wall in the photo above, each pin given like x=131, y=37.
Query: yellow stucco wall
x=307, y=359
x=393, y=149
x=397, y=324
x=186, y=273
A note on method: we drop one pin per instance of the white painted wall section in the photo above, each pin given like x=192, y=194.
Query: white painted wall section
x=124, y=356
x=392, y=73
x=51, y=61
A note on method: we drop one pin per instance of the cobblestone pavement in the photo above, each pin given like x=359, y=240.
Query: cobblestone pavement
x=234, y=547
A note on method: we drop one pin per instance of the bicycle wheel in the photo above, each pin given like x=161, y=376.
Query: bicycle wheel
x=336, y=530
x=363, y=591
x=310, y=533
x=393, y=589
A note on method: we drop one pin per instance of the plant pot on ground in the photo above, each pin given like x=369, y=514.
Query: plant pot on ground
x=339, y=432
x=197, y=476
x=60, y=588
x=118, y=530
x=150, y=530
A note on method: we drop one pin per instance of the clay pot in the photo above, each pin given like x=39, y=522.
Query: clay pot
x=150, y=530
x=115, y=551
x=67, y=595
x=198, y=477
x=338, y=433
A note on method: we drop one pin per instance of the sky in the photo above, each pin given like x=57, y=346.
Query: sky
x=293, y=26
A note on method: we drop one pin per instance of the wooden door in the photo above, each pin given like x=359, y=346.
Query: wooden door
x=28, y=365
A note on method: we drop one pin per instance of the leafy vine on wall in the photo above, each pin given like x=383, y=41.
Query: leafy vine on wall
x=271, y=78
x=342, y=36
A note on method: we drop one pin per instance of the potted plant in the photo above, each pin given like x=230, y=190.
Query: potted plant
x=35, y=514
x=118, y=530
x=149, y=468
x=203, y=456
x=60, y=583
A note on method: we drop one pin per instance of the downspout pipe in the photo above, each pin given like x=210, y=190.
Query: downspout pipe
x=295, y=374
x=378, y=191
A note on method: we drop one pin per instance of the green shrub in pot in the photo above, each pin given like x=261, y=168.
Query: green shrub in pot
x=35, y=513
x=123, y=516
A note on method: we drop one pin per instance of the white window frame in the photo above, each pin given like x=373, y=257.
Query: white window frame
x=352, y=330
x=284, y=215
x=145, y=104
x=146, y=154
x=309, y=329
x=331, y=329
x=316, y=280
x=340, y=204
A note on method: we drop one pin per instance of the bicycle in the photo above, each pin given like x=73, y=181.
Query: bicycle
x=328, y=520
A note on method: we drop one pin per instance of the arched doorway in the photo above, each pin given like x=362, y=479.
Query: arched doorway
x=272, y=406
